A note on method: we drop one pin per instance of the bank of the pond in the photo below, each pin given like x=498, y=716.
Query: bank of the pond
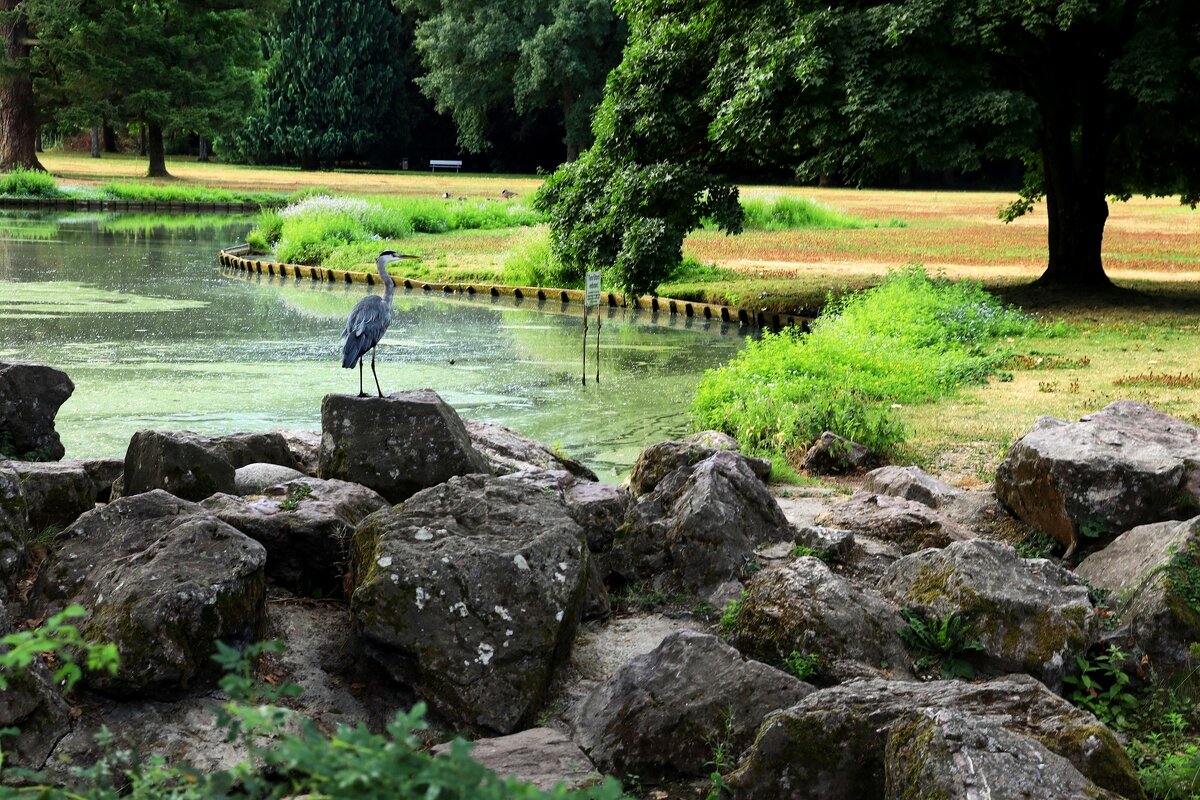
x=238, y=257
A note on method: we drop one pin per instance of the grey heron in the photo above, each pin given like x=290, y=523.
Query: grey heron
x=369, y=321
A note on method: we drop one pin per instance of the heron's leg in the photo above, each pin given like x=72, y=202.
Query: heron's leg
x=361, y=393
x=373, y=373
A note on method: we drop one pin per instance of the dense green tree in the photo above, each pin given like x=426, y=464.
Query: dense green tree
x=1098, y=98
x=481, y=56
x=182, y=64
x=336, y=84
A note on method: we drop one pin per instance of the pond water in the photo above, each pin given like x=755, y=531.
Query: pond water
x=155, y=335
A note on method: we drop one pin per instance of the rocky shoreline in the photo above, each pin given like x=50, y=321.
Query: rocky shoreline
x=768, y=634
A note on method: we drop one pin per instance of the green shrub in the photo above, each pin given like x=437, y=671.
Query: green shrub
x=732, y=612
x=532, y=263
x=911, y=339
x=804, y=666
x=787, y=213
x=28, y=183
x=289, y=755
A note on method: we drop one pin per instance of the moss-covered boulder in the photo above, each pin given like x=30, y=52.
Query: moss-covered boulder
x=185, y=464
x=305, y=525
x=908, y=524
x=943, y=754
x=832, y=744
x=659, y=716
x=31, y=704
x=1124, y=466
x=659, y=460
x=470, y=592
x=163, y=579
x=1028, y=614
x=697, y=530
x=56, y=492
x=14, y=528
x=1151, y=576
x=804, y=607
x=30, y=396
x=396, y=445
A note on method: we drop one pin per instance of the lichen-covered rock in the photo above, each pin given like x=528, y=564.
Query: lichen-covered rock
x=942, y=753
x=32, y=704
x=1030, y=615
x=1150, y=575
x=163, y=579
x=181, y=463
x=658, y=715
x=832, y=744
x=508, y=451
x=56, y=492
x=305, y=525
x=831, y=454
x=826, y=543
x=658, y=461
x=699, y=527
x=305, y=447
x=181, y=731
x=396, y=445
x=104, y=472
x=470, y=592
x=911, y=483
x=1124, y=466
x=804, y=607
x=541, y=756
x=14, y=527
x=258, y=447
x=30, y=396
x=255, y=478
x=910, y=525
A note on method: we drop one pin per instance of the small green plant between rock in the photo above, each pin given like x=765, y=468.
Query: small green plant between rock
x=1103, y=687
x=802, y=550
x=943, y=642
x=804, y=666
x=733, y=610
x=296, y=493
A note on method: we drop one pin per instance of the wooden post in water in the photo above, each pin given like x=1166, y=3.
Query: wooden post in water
x=585, y=330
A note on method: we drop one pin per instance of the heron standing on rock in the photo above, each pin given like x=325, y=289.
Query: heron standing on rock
x=369, y=321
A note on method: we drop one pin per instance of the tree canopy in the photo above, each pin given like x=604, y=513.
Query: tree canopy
x=1098, y=98
x=336, y=84
x=186, y=64
x=484, y=56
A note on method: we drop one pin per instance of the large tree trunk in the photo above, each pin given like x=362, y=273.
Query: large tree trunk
x=18, y=113
x=95, y=142
x=309, y=161
x=158, y=156
x=203, y=150
x=110, y=139
x=1076, y=217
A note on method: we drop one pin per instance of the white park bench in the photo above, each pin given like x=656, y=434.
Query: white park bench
x=435, y=163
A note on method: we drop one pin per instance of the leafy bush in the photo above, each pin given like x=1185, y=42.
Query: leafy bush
x=910, y=339
x=1102, y=687
x=28, y=183
x=289, y=756
x=804, y=666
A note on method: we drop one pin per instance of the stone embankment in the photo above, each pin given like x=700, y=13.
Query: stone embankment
x=405, y=554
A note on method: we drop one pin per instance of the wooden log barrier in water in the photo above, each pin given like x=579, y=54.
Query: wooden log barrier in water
x=235, y=258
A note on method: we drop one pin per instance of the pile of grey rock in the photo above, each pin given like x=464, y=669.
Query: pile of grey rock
x=404, y=553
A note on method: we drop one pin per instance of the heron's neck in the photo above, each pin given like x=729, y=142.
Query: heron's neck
x=386, y=278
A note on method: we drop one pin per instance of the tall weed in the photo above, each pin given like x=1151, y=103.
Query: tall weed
x=911, y=339
x=28, y=183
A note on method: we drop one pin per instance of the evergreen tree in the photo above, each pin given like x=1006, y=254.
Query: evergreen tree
x=335, y=87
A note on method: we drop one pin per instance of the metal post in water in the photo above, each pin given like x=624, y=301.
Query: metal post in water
x=585, y=331
x=597, y=344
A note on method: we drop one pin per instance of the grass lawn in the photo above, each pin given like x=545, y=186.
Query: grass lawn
x=1152, y=249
